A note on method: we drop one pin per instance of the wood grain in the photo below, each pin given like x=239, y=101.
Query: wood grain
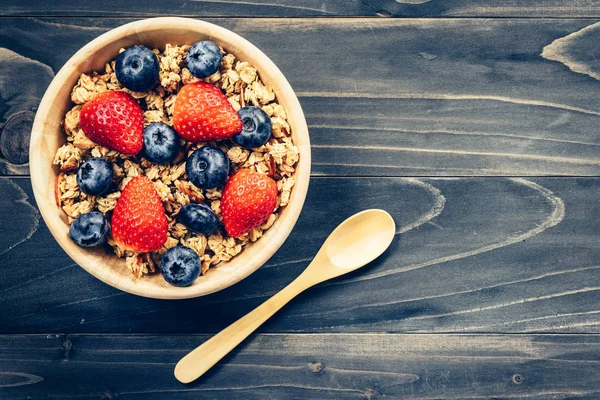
x=17, y=105
x=15, y=201
x=485, y=8
x=334, y=366
x=210, y=8
x=307, y=8
x=447, y=97
x=473, y=255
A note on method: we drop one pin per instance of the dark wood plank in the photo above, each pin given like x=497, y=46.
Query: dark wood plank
x=334, y=366
x=485, y=8
x=306, y=8
x=472, y=255
x=450, y=97
x=204, y=9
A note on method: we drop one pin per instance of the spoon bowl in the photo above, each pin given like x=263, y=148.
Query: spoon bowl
x=360, y=239
x=354, y=243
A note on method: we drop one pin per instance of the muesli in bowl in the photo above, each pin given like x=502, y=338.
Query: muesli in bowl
x=176, y=158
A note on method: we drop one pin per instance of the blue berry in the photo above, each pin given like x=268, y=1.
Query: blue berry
x=203, y=59
x=89, y=229
x=95, y=176
x=137, y=68
x=180, y=266
x=207, y=167
x=199, y=218
x=256, y=129
x=161, y=143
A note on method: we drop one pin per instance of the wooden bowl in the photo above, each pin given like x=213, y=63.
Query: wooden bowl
x=47, y=136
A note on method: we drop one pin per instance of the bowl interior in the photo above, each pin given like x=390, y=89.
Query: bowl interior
x=47, y=136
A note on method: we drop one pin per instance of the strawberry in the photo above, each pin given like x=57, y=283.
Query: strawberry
x=114, y=119
x=248, y=199
x=139, y=222
x=203, y=114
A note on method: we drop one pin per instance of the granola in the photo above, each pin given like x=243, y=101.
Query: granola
x=242, y=85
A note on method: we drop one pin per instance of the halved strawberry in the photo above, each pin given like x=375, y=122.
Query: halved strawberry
x=202, y=114
x=114, y=119
x=248, y=199
x=139, y=222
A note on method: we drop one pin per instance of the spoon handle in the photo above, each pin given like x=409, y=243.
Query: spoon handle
x=203, y=357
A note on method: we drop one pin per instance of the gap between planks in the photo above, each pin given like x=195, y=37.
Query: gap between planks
x=50, y=335
x=71, y=16
x=436, y=177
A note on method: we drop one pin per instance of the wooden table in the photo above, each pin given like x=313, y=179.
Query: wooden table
x=475, y=123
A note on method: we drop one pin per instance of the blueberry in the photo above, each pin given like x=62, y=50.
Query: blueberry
x=137, y=68
x=95, y=176
x=207, y=167
x=256, y=129
x=180, y=266
x=89, y=229
x=203, y=59
x=199, y=218
x=161, y=143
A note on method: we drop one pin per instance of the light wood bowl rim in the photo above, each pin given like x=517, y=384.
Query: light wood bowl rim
x=94, y=262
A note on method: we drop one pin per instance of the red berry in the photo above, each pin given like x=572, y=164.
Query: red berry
x=248, y=199
x=202, y=114
x=114, y=119
x=139, y=222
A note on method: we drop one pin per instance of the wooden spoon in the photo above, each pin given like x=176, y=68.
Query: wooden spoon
x=354, y=243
